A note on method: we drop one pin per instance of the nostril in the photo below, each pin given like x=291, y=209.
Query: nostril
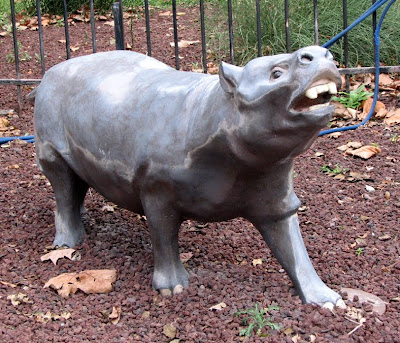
x=306, y=58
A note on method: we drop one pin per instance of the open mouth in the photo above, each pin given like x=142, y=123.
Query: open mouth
x=317, y=97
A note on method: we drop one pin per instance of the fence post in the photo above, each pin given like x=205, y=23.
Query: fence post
x=16, y=52
x=118, y=25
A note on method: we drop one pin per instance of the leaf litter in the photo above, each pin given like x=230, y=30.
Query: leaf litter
x=88, y=281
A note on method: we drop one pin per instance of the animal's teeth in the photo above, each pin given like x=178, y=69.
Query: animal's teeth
x=322, y=88
x=332, y=88
x=312, y=93
x=317, y=107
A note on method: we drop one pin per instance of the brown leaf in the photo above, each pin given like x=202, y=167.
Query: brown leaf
x=378, y=305
x=55, y=255
x=218, y=307
x=17, y=299
x=385, y=237
x=74, y=48
x=88, y=281
x=185, y=43
x=186, y=256
x=115, y=315
x=367, y=104
x=4, y=123
x=393, y=117
x=365, y=152
x=169, y=330
x=3, y=34
x=257, y=261
x=109, y=23
x=165, y=14
x=385, y=80
x=5, y=283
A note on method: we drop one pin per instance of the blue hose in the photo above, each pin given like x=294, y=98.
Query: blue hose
x=377, y=43
x=29, y=139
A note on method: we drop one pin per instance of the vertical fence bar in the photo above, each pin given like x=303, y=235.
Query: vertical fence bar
x=92, y=26
x=121, y=20
x=175, y=22
x=346, y=44
x=40, y=29
x=203, y=37
x=258, y=15
x=119, y=37
x=147, y=15
x=316, y=35
x=287, y=26
x=230, y=25
x=373, y=27
x=16, y=51
x=66, y=26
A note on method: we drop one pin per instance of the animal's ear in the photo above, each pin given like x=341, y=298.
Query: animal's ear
x=229, y=76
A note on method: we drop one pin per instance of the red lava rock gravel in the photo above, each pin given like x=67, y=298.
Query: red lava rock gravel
x=352, y=236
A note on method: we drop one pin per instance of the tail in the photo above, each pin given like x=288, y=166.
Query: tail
x=31, y=96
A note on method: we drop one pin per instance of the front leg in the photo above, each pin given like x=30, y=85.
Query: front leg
x=284, y=239
x=170, y=276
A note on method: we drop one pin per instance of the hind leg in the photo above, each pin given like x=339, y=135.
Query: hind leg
x=69, y=191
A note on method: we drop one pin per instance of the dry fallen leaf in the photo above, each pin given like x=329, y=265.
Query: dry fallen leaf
x=185, y=256
x=4, y=123
x=48, y=316
x=378, y=305
x=55, y=255
x=115, y=315
x=385, y=80
x=107, y=208
x=88, y=281
x=393, y=117
x=74, y=48
x=17, y=299
x=5, y=283
x=169, y=330
x=165, y=14
x=379, y=108
x=218, y=307
x=365, y=152
x=185, y=43
x=257, y=261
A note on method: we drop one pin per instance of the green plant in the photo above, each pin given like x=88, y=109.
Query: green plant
x=375, y=145
x=301, y=23
x=354, y=98
x=359, y=251
x=256, y=319
x=336, y=170
x=394, y=138
x=23, y=55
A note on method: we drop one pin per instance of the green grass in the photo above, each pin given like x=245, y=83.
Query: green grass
x=302, y=29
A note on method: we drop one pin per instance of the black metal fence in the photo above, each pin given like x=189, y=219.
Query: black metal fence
x=119, y=36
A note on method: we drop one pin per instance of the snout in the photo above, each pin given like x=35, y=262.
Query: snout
x=310, y=54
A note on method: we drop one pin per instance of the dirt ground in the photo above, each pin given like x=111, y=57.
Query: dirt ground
x=350, y=224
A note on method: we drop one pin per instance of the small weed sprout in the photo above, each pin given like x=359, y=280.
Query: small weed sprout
x=359, y=251
x=255, y=319
x=337, y=170
x=354, y=98
x=375, y=145
x=394, y=138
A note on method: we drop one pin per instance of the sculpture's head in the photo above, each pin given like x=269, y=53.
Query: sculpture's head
x=280, y=96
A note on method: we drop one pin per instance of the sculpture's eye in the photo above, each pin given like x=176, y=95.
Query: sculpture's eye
x=276, y=73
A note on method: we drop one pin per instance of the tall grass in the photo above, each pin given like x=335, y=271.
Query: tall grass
x=302, y=29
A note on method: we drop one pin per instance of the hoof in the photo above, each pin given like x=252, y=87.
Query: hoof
x=166, y=292
x=330, y=306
